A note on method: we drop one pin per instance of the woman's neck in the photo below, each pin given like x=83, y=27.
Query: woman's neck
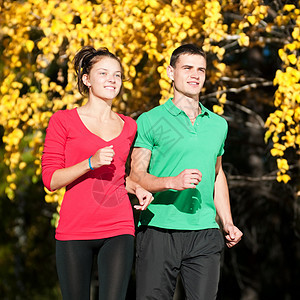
x=98, y=108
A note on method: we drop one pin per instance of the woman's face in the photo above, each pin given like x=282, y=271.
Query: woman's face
x=105, y=78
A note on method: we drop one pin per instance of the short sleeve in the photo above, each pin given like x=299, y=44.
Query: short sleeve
x=53, y=157
x=222, y=150
x=144, y=137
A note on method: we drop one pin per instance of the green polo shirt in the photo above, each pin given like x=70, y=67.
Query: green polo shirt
x=177, y=145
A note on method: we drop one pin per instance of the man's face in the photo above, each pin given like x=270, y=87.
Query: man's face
x=188, y=75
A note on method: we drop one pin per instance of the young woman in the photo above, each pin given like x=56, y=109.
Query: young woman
x=86, y=149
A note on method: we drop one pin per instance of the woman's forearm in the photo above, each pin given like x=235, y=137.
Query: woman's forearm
x=65, y=176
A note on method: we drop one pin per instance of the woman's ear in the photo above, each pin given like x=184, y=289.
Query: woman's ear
x=85, y=80
x=170, y=72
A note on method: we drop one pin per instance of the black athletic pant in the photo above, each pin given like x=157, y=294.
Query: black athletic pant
x=162, y=254
x=74, y=261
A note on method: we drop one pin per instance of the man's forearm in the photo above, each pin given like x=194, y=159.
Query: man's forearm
x=152, y=183
x=187, y=179
x=221, y=199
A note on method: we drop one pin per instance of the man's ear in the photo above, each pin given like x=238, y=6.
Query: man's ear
x=170, y=72
x=85, y=80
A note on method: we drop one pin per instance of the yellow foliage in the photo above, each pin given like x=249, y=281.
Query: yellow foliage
x=277, y=152
x=296, y=33
x=29, y=45
x=282, y=164
x=283, y=177
x=287, y=95
x=252, y=19
x=39, y=35
x=244, y=40
x=218, y=109
x=289, y=7
x=223, y=98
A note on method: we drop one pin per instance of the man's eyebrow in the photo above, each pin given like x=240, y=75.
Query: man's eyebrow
x=189, y=66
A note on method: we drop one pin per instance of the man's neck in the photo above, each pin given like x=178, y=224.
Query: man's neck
x=187, y=104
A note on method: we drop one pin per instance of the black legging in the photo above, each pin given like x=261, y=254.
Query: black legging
x=74, y=260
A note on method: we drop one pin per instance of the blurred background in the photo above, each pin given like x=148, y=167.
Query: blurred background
x=252, y=80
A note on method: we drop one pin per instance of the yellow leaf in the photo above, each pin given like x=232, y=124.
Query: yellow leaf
x=182, y=35
x=282, y=164
x=161, y=69
x=14, y=58
x=244, y=40
x=223, y=99
x=9, y=193
x=22, y=165
x=289, y=7
x=165, y=85
x=252, y=19
x=282, y=54
x=104, y=18
x=132, y=71
x=154, y=4
x=11, y=177
x=13, y=186
x=296, y=33
x=291, y=47
x=292, y=59
x=68, y=18
x=267, y=136
x=24, y=117
x=278, y=113
x=284, y=177
x=276, y=152
x=29, y=45
x=128, y=85
x=206, y=47
x=275, y=120
x=48, y=199
x=218, y=109
x=280, y=127
x=16, y=85
x=220, y=53
x=221, y=67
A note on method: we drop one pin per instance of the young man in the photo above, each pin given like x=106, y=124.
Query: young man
x=178, y=156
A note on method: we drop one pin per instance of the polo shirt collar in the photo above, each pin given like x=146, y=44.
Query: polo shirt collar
x=172, y=108
x=204, y=110
x=175, y=111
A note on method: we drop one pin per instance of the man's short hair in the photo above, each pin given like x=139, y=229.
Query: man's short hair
x=191, y=49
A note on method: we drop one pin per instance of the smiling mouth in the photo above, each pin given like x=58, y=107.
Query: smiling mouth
x=109, y=87
x=193, y=83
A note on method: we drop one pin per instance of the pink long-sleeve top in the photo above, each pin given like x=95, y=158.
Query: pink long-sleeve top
x=96, y=205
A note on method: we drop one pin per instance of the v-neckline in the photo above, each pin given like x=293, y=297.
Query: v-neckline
x=97, y=136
